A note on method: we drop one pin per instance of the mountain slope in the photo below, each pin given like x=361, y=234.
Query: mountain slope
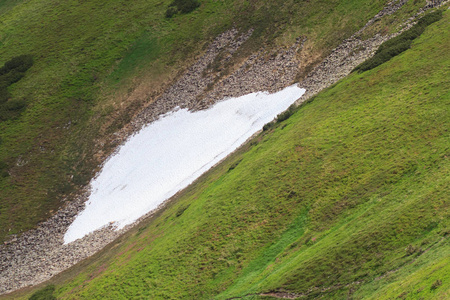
x=98, y=63
x=346, y=198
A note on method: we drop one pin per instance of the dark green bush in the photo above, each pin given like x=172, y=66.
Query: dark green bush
x=436, y=284
x=4, y=95
x=44, y=294
x=407, y=36
x=15, y=105
x=384, y=56
x=12, y=77
x=171, y=11
x=181, y=210
x=186, y=6
x=281, y=117
x=399, y=44
x=181, y=6
x=399, y=48
x=268, y=126
x=234, y=165
x=14, y=70
x=374, y=62
x=3, y=169
x=11, y=72
x=430, y=18
x=11, y=109
x=19, y=63
x=286, y=114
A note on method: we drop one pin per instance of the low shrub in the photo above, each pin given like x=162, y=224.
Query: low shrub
x=4, y=95
x=399, y=48
x=234, y=165
x=3, y=169
x=181, y=6
x=171, y=11
x=436, y=284
x=430, y=18
x=410, y=250
x=12, y=77
x=11, y=72
x=11, y=109
x=186, y=6
x=398, y=44
x=181, y=210
x=44, y=294
x=268, y=126
x=15, y=105
x=281, y=117
x=407, y=36
x=384, y=56
x=286, y=114
x=19, y=63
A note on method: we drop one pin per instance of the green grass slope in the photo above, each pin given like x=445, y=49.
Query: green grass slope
x=348, y=198
x=90, y=56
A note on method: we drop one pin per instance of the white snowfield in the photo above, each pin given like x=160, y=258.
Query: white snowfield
x=169, y=154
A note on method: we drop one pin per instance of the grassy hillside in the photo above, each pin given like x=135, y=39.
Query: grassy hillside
x=97, y=62
x=346, y=198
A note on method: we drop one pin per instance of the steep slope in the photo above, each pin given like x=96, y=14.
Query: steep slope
x=346, y=198
x=97, y=63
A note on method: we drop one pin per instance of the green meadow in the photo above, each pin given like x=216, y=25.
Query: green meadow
x=96, y=63
x=345, y=199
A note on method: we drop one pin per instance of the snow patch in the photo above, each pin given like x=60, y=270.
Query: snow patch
x=169, y=154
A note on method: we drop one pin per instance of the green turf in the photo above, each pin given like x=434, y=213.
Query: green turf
x=346, y=198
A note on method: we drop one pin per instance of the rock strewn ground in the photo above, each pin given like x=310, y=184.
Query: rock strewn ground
x=185, y=91
x=39, y=254
x=354, y=51
x=260, y=72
